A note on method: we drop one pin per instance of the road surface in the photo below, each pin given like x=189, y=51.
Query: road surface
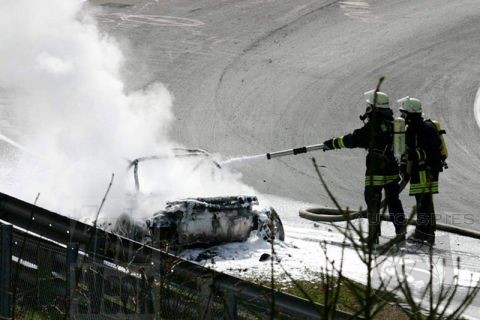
x=254, y=76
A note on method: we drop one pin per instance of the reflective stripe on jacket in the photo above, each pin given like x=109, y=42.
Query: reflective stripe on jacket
x=377, y=137
x=423, y=179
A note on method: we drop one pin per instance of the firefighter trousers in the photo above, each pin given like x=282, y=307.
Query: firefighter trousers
x=373, y=197
x=426, y=221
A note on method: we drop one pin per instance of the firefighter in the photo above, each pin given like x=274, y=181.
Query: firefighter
x=421, y=164
x=382, y=169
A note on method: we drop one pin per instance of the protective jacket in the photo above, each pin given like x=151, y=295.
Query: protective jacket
x=376, y=136
x=423, y=150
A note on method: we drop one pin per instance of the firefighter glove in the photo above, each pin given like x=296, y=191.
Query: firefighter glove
x=328, y=145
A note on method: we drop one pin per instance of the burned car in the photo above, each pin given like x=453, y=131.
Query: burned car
x=215, y=220
x=201, y=222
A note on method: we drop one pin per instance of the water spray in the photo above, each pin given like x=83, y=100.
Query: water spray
x=241, y=159
x=275, y=154
x=17, y=145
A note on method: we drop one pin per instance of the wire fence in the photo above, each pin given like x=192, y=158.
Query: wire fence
x=43, y=279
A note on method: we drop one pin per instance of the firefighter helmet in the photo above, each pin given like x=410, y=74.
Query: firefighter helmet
x=410, y=105
x=381, y=100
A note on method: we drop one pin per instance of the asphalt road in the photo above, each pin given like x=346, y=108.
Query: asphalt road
x=255, y=76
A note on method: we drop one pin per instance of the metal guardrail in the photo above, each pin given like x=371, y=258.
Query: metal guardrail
x=227, y=296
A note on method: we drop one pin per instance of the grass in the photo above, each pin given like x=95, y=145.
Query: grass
x=346, y=300
x=34, y=314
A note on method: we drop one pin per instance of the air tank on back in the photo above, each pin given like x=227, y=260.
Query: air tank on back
x=443, y=148
x=399, y=145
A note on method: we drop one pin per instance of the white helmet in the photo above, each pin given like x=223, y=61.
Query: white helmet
x=382, y=100
x=410, y=105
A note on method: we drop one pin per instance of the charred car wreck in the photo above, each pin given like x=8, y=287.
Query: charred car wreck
x=200, y=222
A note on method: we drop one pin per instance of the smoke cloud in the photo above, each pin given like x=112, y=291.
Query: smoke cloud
x=67, y=124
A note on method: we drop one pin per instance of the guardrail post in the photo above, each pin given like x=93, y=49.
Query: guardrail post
x=71, y=276
x=5, y=273
x=157, y=292
x=231, y=306
x=205, y=296
x=45, y=288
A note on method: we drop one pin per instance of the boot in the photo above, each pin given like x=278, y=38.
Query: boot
x=400, y=232
x=431, y=239
x=417, y=237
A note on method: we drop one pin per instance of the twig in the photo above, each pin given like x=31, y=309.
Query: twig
x=330, y=194
x=36, y=199
x=92, y=235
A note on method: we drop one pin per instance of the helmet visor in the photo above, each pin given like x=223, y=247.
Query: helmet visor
x=369, y=108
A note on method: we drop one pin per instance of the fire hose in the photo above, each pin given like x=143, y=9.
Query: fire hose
x=325, y=214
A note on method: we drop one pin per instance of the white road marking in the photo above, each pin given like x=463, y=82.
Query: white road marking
x=150, y=19
x=476, y=107
x=358, y=10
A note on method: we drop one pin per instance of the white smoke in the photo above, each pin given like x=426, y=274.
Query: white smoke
x=63, y=99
